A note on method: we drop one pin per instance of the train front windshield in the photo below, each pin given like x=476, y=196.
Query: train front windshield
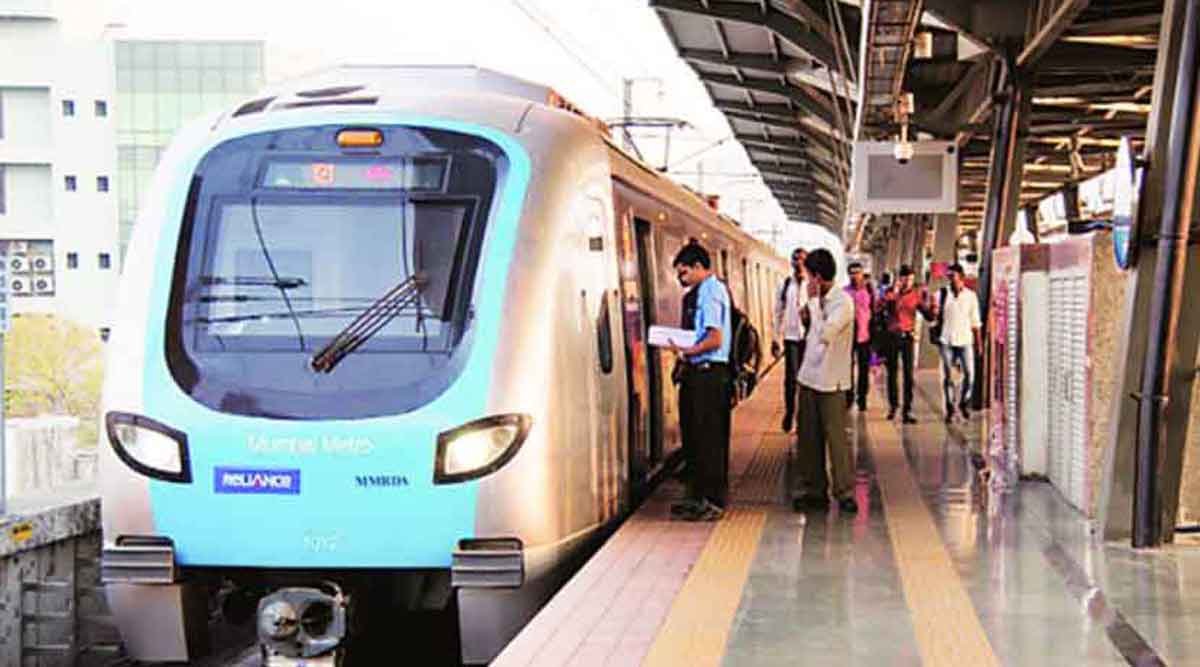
x=288, y=240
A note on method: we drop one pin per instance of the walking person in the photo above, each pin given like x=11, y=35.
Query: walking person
x=864, y=306
x=957, y=330
x=902, y=302
x=824, y=379
x=789, y=300
x=704, y=406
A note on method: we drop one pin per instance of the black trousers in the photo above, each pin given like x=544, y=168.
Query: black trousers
x=901, y=350
x=793, y=356
x=862, y=364
x=704, y=417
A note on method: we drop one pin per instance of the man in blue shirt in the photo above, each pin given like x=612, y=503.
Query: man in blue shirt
x=704, y=406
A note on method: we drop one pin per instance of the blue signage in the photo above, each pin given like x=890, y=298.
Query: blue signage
x=256, y=480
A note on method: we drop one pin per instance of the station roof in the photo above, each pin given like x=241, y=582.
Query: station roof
x=1091, y=70
x=780, y=71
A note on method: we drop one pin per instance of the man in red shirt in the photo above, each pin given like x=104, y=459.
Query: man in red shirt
x=901, y=303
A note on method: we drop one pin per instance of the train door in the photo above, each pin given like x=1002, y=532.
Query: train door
x=635, y=260
x=646, y=272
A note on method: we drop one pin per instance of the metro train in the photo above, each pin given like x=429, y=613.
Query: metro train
x=382, y=348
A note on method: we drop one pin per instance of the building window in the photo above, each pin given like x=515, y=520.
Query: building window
x=105, y=261
x=3, y=208
x=69, y=183
x=68, y=107
x=105, y=332
x=101, y=109
x=101, y=184
x=72, y=260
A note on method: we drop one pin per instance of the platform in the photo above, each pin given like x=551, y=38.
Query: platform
x=935, y=569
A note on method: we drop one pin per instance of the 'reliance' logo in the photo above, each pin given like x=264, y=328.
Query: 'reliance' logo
x=380, y=481
x=256, y=480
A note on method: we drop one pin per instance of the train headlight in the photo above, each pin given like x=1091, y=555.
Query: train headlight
x=149, y=447
x=479, y=447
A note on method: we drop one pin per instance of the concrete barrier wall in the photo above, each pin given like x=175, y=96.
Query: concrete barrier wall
x=42, y=453
x=49, y=565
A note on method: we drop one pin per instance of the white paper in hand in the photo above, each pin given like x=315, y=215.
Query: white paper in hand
x=664, y=336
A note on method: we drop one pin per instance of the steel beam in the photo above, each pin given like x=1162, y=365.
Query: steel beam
x=1048, y=34
x=1010, y=122
x=789, y=147
x=806, y=167
x=784, y=26
x=769, y=120
x=1144, y=459
x=803, y=99
x=762, y=62
x=984, y=22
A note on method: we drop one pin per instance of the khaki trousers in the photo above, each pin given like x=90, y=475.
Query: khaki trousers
x=822, y=424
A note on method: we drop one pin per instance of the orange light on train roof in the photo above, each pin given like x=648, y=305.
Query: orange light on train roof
x=359, y=138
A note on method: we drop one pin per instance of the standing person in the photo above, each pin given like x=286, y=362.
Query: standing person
x=704, y=388
x=789, y=300
x=864, y=306
x=885, y=283
x=957, y=313
x=902, y=302
x=824, y=378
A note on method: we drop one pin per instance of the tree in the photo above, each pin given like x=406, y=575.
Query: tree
x=54, y=366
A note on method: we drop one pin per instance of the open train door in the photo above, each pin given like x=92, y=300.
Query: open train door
x=634, y=256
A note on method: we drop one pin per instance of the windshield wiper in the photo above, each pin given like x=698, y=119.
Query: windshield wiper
x=375, y=317
x=276, y=280
x=281, y=282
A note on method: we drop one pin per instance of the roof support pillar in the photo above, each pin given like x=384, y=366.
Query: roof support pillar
x=945, y=252
x=894, y=239
x=1010, y=124
x=1144, y=460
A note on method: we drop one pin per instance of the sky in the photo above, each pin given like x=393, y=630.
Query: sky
x=582, y=48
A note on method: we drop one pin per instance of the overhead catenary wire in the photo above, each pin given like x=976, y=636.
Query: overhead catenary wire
x=567, y=48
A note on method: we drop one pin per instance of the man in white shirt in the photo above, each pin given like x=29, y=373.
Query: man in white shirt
x=957, y=331
x=789, y=299
x=824, y=378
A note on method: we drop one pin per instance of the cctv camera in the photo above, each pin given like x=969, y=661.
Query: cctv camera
x=903, y=151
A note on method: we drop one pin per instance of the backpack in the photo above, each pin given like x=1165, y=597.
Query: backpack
x=745, y=354
x=880, y=336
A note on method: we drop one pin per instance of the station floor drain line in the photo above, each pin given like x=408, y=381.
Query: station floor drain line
x=946, y=624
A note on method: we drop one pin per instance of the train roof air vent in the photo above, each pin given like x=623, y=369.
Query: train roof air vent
x=333, y=91
x=347, y=101
x=253, y=106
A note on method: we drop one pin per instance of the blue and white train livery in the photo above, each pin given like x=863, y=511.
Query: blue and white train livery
x=381, y=349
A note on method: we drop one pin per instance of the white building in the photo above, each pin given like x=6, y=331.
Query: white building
x=58, y=205
x=84, y=114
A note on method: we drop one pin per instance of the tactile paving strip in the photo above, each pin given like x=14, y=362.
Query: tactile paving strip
x=946, y=623
x=697, y=627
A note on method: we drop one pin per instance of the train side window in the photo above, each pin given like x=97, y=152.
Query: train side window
x=604, y=336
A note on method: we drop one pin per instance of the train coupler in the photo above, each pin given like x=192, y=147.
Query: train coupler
x=303, y=627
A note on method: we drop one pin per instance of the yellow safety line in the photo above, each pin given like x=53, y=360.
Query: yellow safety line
x=697, y=626
x=947, y=626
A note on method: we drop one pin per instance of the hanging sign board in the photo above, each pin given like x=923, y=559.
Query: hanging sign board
x=1128, y=186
